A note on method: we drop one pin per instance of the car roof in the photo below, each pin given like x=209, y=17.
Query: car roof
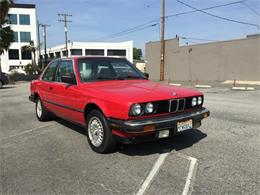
x=90, y=57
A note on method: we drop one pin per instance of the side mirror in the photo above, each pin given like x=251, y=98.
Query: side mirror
x=146, y=75
x=68, y=79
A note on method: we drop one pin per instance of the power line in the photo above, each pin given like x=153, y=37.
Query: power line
x=250, y=8
x=141, y=26
x=219, y=17
x=207, y=8
x=133, y=29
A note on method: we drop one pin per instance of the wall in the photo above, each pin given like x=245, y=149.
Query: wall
x=218, y=61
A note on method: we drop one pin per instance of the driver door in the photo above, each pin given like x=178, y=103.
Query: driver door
x=66, y=96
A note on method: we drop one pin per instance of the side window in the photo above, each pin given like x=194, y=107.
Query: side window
x=65, y=69
x=49, y=73
x=86, y=71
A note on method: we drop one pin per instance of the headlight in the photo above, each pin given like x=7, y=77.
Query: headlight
x=136, y=109
x=149, y=108
x=199, y=100
x=194, y=102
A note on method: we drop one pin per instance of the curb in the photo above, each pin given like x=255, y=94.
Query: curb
x=243, y=88
x=203, y=86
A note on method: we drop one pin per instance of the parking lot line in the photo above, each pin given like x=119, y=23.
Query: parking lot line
x=153, y=172
x=26, y=131
x=191, y=174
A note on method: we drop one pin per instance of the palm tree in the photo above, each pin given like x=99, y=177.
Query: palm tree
x=31, y=48
x=6, y=34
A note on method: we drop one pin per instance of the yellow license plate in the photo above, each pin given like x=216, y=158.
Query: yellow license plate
x=184, y=125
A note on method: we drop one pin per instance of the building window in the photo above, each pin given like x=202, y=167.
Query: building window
x=12, y=19
x=13, y=54
x=25, y=36
x=64, y=53
x=26, y=55
x=15, y=36
x=76, y=52
x=51, y=55
x=24, y=19
x=57, y=54
x=116, y=52
x=94, y=52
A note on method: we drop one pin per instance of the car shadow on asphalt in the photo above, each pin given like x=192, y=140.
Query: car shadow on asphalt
x=70, y=125
x=177, y=143
x=180, y=142
x=7, y=87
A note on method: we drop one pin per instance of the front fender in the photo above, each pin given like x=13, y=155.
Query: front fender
x=111, y=109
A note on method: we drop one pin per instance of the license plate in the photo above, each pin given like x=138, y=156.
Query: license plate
x=184, y=125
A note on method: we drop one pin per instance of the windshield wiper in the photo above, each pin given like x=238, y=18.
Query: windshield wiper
x=128, y=77
x=105, y=78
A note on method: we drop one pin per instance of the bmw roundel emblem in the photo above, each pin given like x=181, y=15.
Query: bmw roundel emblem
x=174, y=93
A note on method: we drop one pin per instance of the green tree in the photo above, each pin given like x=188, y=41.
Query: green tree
x=137, y=53
x=6, y=34
x=32, y=49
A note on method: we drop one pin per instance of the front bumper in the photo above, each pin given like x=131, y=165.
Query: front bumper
x=148, y=125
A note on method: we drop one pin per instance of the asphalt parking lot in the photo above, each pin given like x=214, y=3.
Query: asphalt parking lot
x=221, y=157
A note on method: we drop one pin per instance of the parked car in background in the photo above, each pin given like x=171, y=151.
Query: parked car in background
x=114, y=101
x=4, y=79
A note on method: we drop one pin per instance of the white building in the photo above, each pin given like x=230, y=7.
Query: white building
x=121, y=49
x=22, y=19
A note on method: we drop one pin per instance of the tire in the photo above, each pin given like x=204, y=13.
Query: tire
x=1, y=84
x=41, y=113
x=98, y=132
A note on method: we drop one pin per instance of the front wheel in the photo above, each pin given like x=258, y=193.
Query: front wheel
x=99, y=133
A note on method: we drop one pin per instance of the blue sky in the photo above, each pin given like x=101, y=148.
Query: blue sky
x=93, y=19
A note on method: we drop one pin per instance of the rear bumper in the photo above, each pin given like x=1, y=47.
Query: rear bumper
x=151, y=126
x=4, y=79
x=32, y=98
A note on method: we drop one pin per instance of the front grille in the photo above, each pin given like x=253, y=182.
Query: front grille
x=161, y=106
x=181, y=104
x=171, y=106
x=177, y=105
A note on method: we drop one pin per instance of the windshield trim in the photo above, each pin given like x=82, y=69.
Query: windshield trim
x=140, y=75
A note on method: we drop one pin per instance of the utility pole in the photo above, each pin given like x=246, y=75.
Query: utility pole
x=45, y=42
x=162, y=42
x=65, y=20
x=39, y=42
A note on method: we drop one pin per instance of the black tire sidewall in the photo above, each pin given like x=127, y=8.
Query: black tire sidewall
x=45, y=114
x=108, y=140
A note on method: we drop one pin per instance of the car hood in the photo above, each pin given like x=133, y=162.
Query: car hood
x=137, y=91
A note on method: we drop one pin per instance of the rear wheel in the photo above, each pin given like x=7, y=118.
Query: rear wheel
x=99, y=133
x=41, y=113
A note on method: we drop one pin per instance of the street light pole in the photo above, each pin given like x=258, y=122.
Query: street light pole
x=45, y=42
x=65, y=20
x=162, y=56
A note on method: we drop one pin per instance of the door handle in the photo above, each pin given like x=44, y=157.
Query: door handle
x=50, y=88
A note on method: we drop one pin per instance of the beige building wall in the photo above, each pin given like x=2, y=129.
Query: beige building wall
x=218, y=61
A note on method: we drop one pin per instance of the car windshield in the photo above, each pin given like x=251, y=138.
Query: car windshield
x=107, y=69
